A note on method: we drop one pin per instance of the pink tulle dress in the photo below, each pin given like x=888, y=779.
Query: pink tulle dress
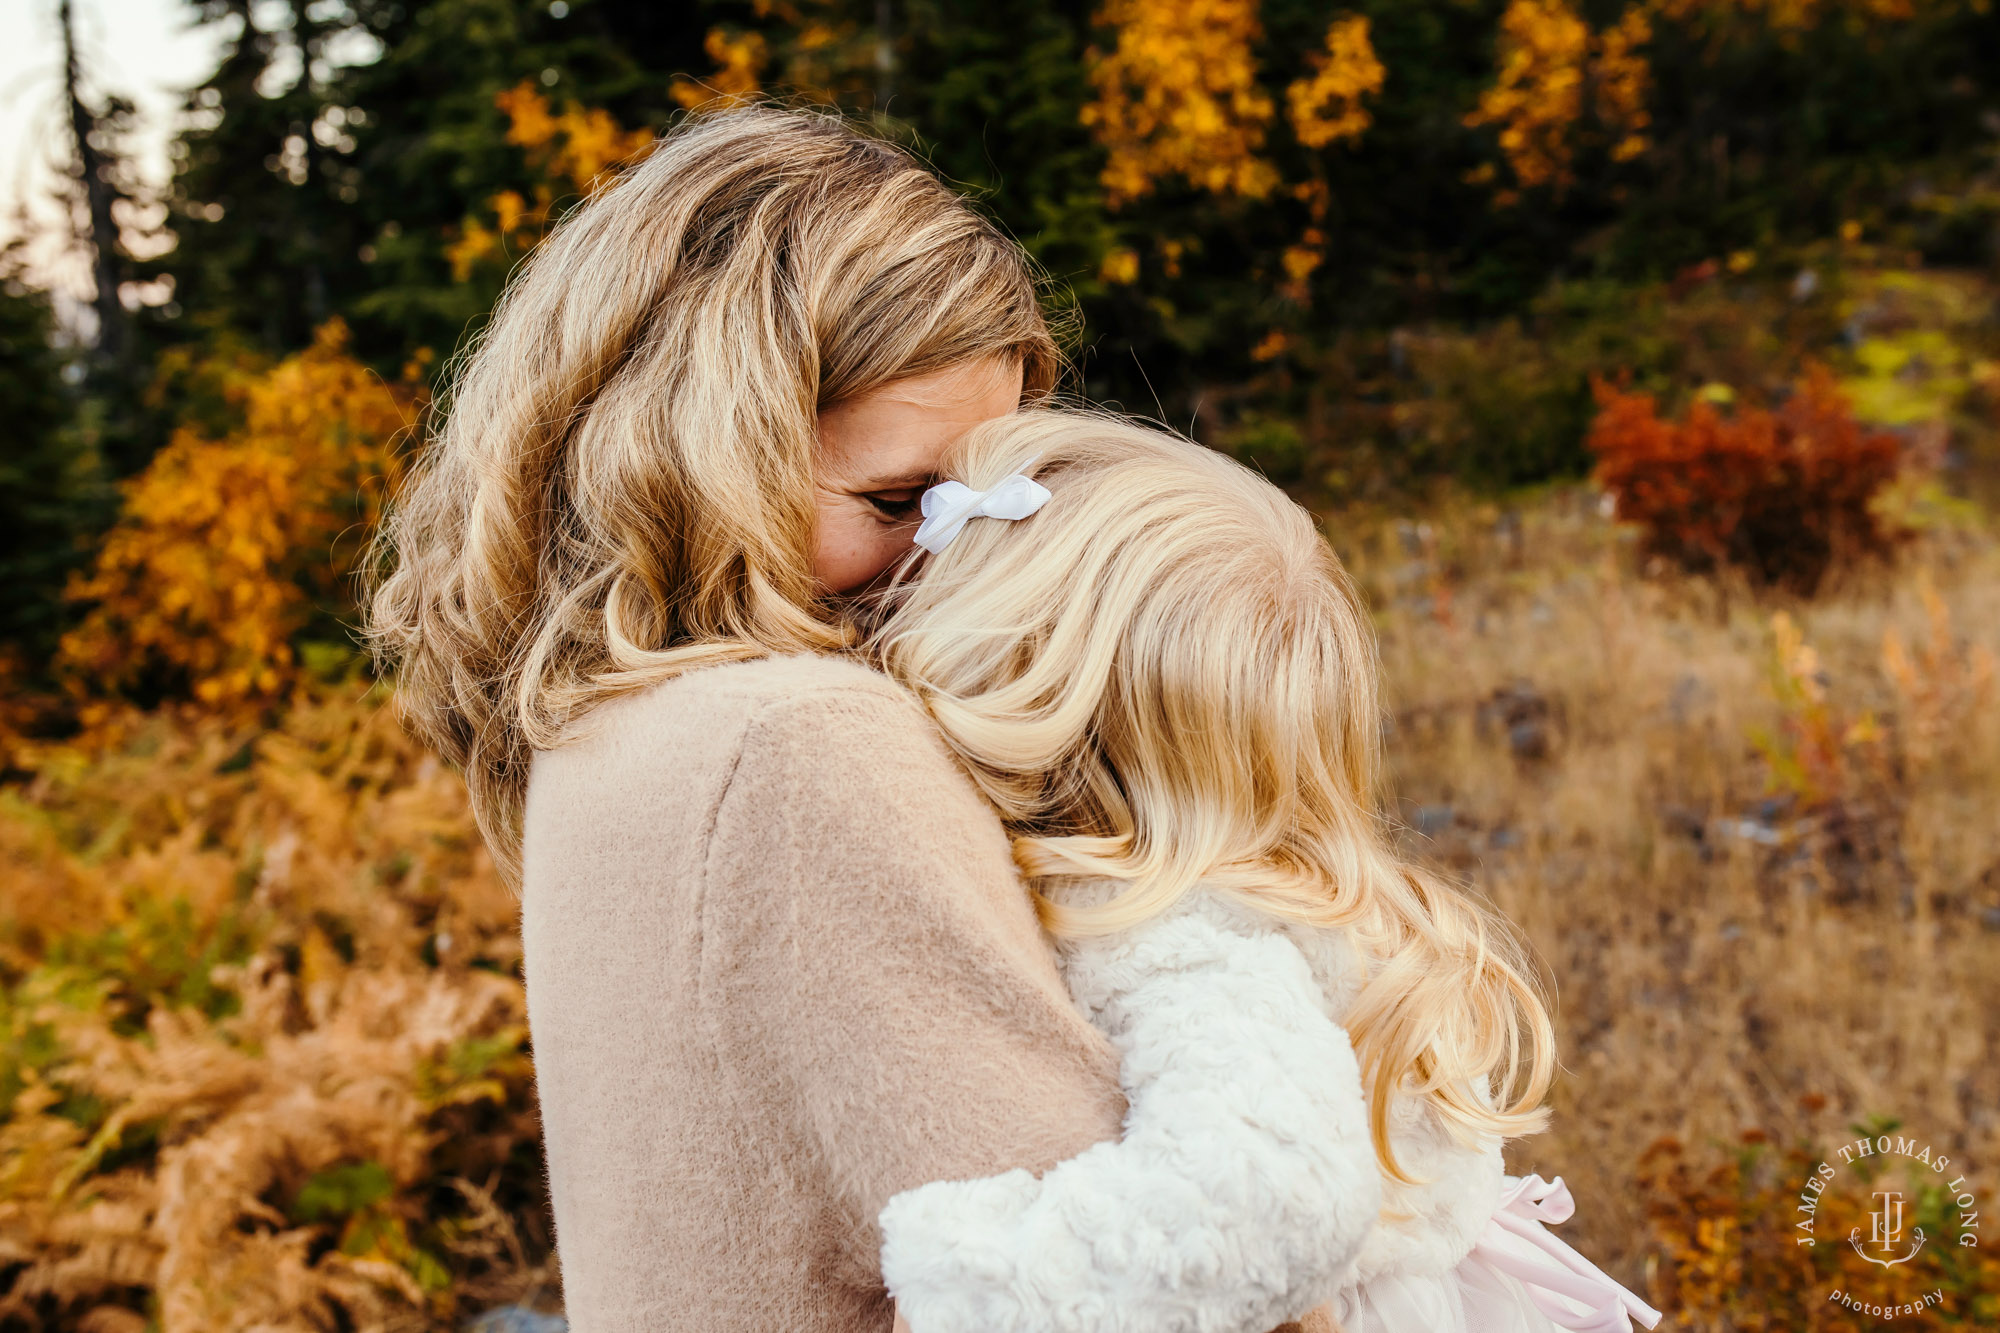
x=1518, y=1278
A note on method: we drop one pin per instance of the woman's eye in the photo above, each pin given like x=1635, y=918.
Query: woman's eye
x=900, y=506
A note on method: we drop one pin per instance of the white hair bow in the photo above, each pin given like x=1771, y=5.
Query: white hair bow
x=949, y=505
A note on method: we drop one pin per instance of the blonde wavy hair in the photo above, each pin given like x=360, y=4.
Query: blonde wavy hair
x=1166, y=678
x=621, y=489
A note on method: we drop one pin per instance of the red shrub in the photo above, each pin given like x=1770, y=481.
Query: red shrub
x=1782, y=495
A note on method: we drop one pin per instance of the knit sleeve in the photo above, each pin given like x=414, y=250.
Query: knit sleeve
x=877, y=984
x=1239, y=1196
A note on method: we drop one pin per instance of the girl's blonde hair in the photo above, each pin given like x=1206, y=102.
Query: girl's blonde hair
x=622, y=486
x=1165, y=678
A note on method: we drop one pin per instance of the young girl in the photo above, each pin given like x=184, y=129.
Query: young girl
x=1157, y=671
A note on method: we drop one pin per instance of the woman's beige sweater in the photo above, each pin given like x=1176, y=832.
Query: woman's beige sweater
x=779, y=968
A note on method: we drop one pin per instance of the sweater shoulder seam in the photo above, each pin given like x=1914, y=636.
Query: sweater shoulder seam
x=705, y=996
x=756, y=684
x=711, y=1026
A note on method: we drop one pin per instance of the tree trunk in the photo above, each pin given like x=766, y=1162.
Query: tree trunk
x=98, y=193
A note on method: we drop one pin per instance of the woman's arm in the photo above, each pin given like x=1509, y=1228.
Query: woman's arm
x=873, y=972
x=1242, y=1189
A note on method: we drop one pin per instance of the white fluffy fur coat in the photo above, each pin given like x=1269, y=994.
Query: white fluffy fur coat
x=1245, y=1190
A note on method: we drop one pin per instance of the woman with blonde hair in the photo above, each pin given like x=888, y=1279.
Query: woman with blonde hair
x=1155, y=669
x=780, y=965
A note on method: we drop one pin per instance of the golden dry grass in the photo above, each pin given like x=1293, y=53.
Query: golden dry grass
x=262, y=1025
x=1768, y=891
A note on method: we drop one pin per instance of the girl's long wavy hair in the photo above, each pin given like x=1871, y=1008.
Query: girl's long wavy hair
x=621, y=489
x=1166, y=678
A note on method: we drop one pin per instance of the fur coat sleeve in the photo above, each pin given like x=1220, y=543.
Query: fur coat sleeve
x=1240, y=1194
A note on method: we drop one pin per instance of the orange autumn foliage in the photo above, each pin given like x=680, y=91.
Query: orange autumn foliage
x=1554, y=70
x=1538, y=92
x=225, y=547
x=1781, y=495
x=1622, y=81
x=1327, y=106
x=1178, y=96
x=576, y=150
x=262, y=1036
x=1559, y=86
x=1727, y=1224
x=739, y=65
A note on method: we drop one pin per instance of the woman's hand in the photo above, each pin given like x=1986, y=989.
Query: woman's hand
x=902, y=1324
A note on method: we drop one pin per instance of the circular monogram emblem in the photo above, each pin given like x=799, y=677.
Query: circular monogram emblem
x=1896, y=1196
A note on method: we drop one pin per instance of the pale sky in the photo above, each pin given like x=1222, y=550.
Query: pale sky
x=146, y=50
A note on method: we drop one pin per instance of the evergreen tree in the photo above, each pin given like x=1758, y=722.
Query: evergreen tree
x=50, y=488
x=341, y=145
x=337, y=146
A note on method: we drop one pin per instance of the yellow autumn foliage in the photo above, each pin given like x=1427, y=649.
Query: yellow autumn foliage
x=575, y=150
x=739, y=64
x=1622, y=81
x=1120, y=265
x=1178, y=97
x=1327, y=106
x=224, y=547
x=1553, y=69
x=577, y=145
x=1554, y=74
x=1538, y=93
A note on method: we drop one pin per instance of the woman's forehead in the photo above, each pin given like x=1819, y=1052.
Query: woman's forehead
x=893, y=436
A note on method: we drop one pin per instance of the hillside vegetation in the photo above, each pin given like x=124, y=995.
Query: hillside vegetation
x=1642, y=358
